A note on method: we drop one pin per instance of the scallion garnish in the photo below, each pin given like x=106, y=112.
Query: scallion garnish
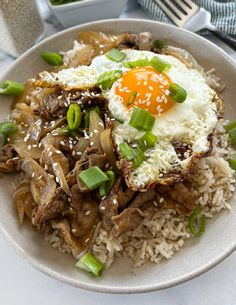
x=126, y=151
x=232, y=161
x=197, y=222
x=138, y=160
x=229, y=126
x=93, y=177
x=177, y=93
x=105, y=188
x=147, y=141
x=87, y=115
x=137, y=63
x=231, y=129
x=159, y=64
x=142, y=119
x=74, y=116
x=118, y=120
x=132, y=98
x=7, y=128
x=8, y=87
x=106, y=79
x=158, y=44
x=91, y=264
x=52, y=58
x=115, y=55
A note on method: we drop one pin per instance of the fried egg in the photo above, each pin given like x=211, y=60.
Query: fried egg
x=183, y=129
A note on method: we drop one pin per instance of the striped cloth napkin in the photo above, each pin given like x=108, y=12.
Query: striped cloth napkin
x=223, y=13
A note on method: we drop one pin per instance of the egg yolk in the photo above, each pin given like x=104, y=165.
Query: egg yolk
x=145, y=88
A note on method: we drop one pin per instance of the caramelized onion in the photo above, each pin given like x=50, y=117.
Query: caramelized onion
x=96, y=127
x=43, y=185
x=107, y=147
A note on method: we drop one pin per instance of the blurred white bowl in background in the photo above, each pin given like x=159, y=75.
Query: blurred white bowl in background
x=87, y=10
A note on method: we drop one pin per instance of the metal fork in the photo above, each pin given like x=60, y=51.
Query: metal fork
x=186, y=14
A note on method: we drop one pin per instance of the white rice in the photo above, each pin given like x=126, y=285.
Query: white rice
x=160, y=236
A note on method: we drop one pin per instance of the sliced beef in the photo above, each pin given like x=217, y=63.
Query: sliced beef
x=64, y=230
x=9, y=160
x=128, y=220
x=55, y=104
x=143, y=198
x=142, y=41
x=108, y=207
x=124, y=197
x=178, y=198
x=85, y=215
x=56, y=207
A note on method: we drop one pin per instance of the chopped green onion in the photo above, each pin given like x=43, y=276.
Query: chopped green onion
x=8, y=87
x=138, y=160
x=159, y=64
x=7, y=128
x=177, y=93
x=106, y=79
x=118, y=120
x=232, y=161
x=115, y=55
x=87, y=115
x=147, y=141
x=197, y=217
x=91, y=264
x=137, y=63
x=64, y=131
x=93, y=177
x=232, y=135
x=158, y=44
x=132, y=98
x=126, y=151
x=231, y=129
x=105, y=188
x=52, y=58
x=231, y=125
x=74, y=116
x=142, y=119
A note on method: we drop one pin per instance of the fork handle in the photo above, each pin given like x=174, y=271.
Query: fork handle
x=225, y=37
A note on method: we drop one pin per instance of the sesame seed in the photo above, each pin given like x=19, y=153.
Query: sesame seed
x=57, y=179
x=161, y=200
x=73, y=230
x=50, y=154
x=29, y=147
x=87, y=213
x=33, y=175
x=114, y=201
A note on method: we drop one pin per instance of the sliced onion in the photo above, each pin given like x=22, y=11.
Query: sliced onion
x=23, y=200
x=96, y=127
x=59, y=164
x=81, y=145
x=107, y=147
x=43, y=185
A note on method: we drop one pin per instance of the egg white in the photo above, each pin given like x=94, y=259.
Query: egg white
x=190, y=122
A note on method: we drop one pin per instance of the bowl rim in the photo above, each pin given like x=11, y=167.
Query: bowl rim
x=75, y=5
x=94, y=287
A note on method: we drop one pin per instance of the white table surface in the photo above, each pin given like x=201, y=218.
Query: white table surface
x=22, y=285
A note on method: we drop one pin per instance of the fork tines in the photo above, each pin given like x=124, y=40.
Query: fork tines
x=179, y=11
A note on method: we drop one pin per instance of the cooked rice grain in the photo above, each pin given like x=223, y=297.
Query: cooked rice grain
x=160, y=236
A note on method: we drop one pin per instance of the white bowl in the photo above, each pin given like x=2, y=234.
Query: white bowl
x=87, y=10
x=198, y=255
